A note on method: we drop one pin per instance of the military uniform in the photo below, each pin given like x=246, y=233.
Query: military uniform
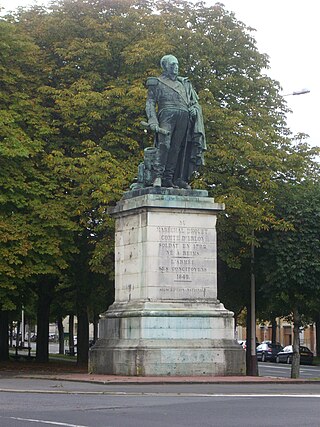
x=168, y=107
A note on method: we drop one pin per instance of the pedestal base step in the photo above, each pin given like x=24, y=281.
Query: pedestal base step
x=167, y=357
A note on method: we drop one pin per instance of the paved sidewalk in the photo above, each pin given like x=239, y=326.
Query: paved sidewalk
x=70, y=372
x=119, y=379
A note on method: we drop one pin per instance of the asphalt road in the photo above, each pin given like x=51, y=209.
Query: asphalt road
x=269, y=369
x=26, y=402
x=43, y=402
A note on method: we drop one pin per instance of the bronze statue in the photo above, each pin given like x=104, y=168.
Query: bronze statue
x=175, y=116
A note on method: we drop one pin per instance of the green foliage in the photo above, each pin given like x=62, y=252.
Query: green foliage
x=70, y=138
x=33, y=225
x=295, y=254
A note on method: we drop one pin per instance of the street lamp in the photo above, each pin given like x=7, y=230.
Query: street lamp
x=298, y=92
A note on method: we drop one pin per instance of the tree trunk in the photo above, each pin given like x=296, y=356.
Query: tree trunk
x=45, y=292
x=251, y=361
x=4, y=336
x=83, y=337
x=11, y=334
x=28, y=327
x=295, y=367
x=317, y=322
x=273, y=330
x=95, y=327
x=18, y=336
x=61, y=335
x=71, y=335
x=251, y=356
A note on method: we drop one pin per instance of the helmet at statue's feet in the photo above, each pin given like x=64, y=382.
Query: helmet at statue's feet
x=157, y=182
x=182, y=184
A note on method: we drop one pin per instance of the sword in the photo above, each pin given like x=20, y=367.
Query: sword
x=159, y=130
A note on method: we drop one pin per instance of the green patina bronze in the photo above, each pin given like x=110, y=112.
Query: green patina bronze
x=175, y=116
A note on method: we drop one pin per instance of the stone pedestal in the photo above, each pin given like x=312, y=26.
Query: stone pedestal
x=166, y=319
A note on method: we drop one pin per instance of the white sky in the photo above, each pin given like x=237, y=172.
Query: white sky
x=288, y=32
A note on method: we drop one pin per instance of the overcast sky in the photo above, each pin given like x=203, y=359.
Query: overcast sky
x=288, y=32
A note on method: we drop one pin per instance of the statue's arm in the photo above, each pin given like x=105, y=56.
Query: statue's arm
x=192, y=98
x=152, y=85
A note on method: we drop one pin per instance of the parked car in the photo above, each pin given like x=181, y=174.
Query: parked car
x=285, y=355
x=268, y=351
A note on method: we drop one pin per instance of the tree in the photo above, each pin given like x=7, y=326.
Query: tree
x=98, y=54
x=295, y=256
x=95, y=108
x=34, y=228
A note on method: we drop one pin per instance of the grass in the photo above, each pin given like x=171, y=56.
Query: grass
x=65, y=357
x=58, y=363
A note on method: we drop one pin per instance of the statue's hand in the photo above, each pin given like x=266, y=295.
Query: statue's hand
x=193, y=111
x=154, y=127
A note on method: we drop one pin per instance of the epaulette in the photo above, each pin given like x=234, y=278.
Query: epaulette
x=152, y=81
x=183, y=79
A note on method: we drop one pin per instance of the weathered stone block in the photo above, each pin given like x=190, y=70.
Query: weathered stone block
x=166, y=319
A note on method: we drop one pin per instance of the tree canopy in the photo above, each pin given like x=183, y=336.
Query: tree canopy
x=33, y=224
x=72, y=97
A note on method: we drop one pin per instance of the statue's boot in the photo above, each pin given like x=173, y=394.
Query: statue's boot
x=182, y=184
x=167, y=182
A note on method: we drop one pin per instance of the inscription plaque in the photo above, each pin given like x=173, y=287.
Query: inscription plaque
x=187, y=261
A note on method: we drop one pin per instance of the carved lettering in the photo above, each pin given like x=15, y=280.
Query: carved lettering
x=184, y=253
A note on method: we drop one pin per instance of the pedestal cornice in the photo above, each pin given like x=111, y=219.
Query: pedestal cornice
x=153, y=198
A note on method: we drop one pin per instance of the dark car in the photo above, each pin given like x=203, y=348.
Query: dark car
x=268, y=351
x=285, y=355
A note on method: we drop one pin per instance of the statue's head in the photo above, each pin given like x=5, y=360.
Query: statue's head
x=170, y=65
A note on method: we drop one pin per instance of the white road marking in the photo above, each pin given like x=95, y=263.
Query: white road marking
x=181, y=394
x=277, y=367
x=302, y=368
x=9, y=390
x=159, y=394
x=260, y=395
x=55, y=423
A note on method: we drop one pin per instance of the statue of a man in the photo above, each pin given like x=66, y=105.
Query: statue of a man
x=172, y=107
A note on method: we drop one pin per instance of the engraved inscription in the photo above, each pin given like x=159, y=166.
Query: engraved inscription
x=184, y=252
x=181, y=292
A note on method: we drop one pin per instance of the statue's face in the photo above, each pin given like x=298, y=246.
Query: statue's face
x=173, y=66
